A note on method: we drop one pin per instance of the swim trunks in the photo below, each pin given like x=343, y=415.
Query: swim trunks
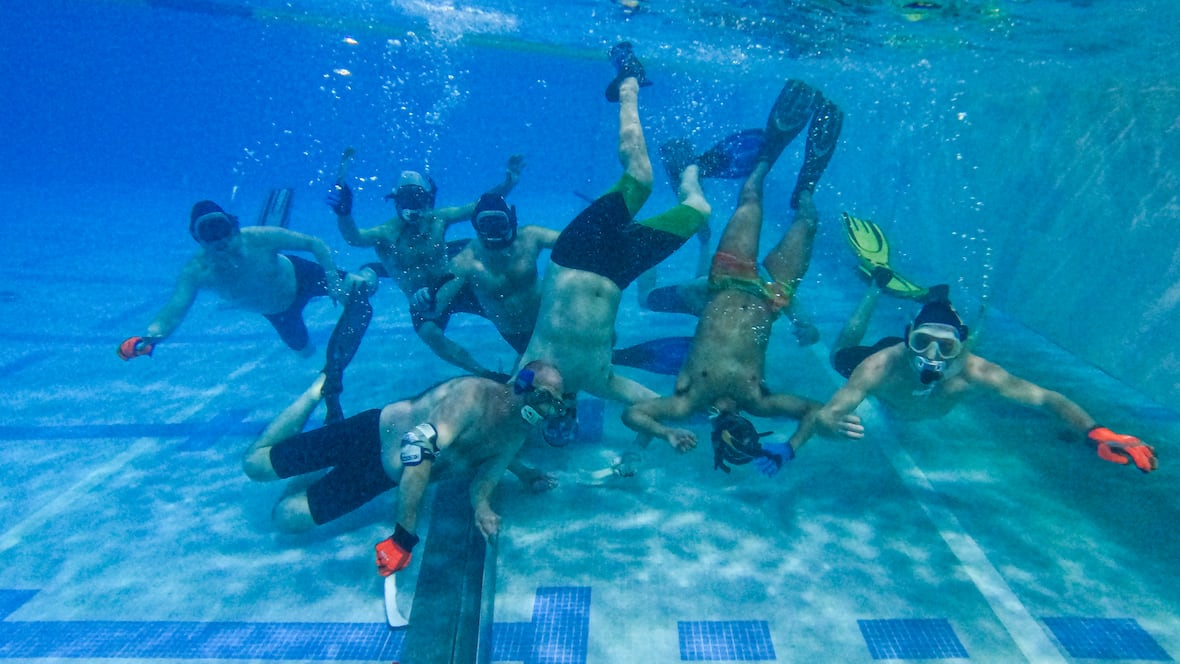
x=729, y=272
x=846, y=360
x=309, y=282
x=464, y=302
x=352, y=449
x=604, y=240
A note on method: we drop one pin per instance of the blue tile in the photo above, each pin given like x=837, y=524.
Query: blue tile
x=511, y=642
x=911, y=639
x=1105, y=638
x=740, y=640
x=90, y=640
x=561, y=624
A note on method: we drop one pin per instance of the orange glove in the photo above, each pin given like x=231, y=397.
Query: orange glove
x=393, y=553
x=133, y=347
x=1122, y=449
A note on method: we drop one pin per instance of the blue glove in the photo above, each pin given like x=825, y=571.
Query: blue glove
x=340, y=199
x=775, y=457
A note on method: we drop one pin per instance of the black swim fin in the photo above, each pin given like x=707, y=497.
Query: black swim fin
x=277, y=210
x=734, y=157
x=793, y=108
x=662, y=356
x=822, y=136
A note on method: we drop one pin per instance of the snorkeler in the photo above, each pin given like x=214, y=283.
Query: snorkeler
x=246, y=268
x=499, y=269
x=928, y=371
x=724, y=373
x=604, y=249
x=413, y=251
x=463, y=425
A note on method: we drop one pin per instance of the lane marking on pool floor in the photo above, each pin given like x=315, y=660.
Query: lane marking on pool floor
x=1024, y=629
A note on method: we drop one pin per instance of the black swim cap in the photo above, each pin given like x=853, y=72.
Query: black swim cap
x=494, y=221
x=939, y=312
x=208, y=223
x=735, y=440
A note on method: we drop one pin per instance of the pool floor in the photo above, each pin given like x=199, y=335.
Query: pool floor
x=129, y=532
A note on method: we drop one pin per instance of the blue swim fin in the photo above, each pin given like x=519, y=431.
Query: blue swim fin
x=662, y=356
x=734, y=157
x=277, y=210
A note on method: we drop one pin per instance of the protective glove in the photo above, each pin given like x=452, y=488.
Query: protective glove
x=339, y=198
x=133, y=347
x=1123, y=449
x=777, y=454
x=393, y=553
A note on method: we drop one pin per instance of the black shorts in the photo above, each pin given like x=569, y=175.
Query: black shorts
x=602, y=239
x=352, y=449
x=309, y=282
x=846, y=360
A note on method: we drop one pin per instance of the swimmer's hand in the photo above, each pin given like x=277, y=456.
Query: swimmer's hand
x=515, y=166
x=339, y=198
x=488, y=523
x=779, y=455
x=422, y=302
x=681, y=440
x=850, y=427
x=133, y=347
x=1123, y=449
x=393, y=553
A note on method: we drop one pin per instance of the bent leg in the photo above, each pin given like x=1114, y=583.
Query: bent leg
x=346, y=339
x=854, y=330
x=632, y=145
x=290, y=422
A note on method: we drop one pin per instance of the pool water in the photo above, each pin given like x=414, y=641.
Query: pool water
x=129, y=532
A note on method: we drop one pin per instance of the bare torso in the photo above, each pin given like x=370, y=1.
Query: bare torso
x=575, y=328
x=728, y=354
x=248, y=275
x=505, y=282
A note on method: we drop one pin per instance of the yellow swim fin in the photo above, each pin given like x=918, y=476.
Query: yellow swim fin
x=871, y=247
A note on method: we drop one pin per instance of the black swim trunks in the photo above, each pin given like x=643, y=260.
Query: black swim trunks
x=465, y=301
x=352, y=449
x=309, y=282
x=604, y=240
x=846, y=360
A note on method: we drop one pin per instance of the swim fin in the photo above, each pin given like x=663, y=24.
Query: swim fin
x=662, y=356
x=822, y=136
x=277, y=210
x=872, y=252
x=794, y=107
x=734, y=157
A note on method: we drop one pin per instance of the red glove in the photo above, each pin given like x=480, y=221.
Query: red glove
x=393, y=553
x=1122, y=449
x=133, y=347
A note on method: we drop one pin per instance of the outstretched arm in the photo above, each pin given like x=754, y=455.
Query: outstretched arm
x=183, y=296
x=646, y=418
x=1114, y=447
x=487, y=477
x=995, y=378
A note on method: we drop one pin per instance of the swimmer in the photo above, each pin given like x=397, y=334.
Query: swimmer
x=928, y=371
x=414, y=252
x=724, y=373
x=462, y=425
x=248, y=269
x=604, y=249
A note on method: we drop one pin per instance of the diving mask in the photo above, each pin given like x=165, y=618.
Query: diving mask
x=944, y=339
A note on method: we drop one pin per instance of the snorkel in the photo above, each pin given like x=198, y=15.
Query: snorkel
x=935, y=340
